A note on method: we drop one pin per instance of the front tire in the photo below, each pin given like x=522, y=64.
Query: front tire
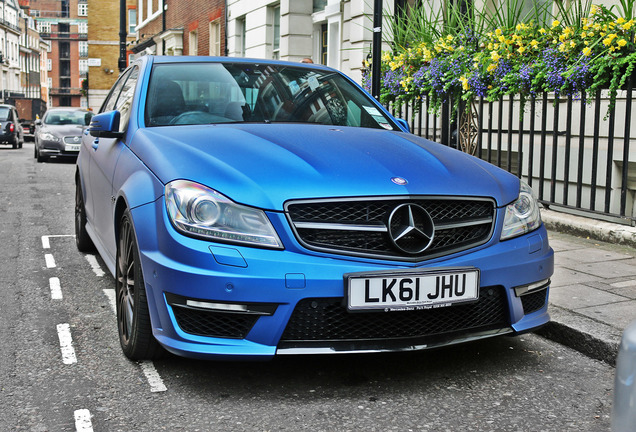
x=133, y=318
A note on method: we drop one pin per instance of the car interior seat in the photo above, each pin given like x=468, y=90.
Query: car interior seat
x=167, y=103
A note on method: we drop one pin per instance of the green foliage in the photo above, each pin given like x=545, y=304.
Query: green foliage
x=444, y=52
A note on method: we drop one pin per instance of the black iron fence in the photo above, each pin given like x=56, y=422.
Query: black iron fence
x=576, y=153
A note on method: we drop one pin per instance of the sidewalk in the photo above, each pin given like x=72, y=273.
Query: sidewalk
x=593, y=290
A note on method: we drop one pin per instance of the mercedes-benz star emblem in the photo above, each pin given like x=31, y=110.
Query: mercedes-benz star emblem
x=400, y=181
x=411, y=228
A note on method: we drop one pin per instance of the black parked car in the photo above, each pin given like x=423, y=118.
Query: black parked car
x=59, y=133
x=10, y=129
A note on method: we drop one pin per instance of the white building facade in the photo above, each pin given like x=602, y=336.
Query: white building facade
x=337, y=33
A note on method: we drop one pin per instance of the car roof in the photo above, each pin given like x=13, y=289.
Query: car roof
x=230, y=60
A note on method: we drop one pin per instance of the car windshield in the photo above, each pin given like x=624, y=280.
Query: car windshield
x=60, y=117
x=4, y=113
x=206, y=93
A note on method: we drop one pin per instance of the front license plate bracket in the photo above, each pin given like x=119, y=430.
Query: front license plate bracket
x=405, y=290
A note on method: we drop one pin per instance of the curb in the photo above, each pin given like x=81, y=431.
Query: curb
x=589, y=337
x=589, y=228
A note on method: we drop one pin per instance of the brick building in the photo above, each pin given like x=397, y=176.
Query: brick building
x=64, y=24
x=102, y=59
x=195, y=27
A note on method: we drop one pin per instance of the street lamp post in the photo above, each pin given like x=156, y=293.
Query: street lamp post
x=377, y=49
x=122, y=35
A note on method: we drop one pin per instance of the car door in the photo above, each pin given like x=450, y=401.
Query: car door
x=105, y=152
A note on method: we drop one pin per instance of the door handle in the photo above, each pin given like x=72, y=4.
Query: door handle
x=95, y=144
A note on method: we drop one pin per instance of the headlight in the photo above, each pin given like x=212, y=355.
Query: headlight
x=47, y=136
x=522, y=216
x=199, y=211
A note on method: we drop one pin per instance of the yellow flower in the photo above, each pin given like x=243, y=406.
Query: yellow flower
x=555, y=23
x=607, y=41
x=521, y=49
x=464, y=82
x=593, y=9
x=534, y=43
x=622, y=42
x=494, y=55
x=628, y=25
x=583, y=34
x=492, y=67
x=587, y=51
x=542, y=30
x=621, y=20
x=449, y=38
x=498, y=32
x=572, y=44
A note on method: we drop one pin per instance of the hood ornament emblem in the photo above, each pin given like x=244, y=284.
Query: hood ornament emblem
x=399, y=181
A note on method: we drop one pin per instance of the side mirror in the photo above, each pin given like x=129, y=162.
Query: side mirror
x=403, y=125
x=105, y=125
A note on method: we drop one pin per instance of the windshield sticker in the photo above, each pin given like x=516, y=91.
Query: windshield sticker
x=373, y=111
x=386, y=126
x=313, y=83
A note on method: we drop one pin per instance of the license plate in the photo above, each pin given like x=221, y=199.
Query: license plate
x=72, y=147
x=402, y=291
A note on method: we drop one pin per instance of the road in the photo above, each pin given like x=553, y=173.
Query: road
x=62, y=369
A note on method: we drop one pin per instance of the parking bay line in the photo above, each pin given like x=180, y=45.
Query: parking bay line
x=92, y=260
x=147, y=367
x=46, y=244
x=66, y=344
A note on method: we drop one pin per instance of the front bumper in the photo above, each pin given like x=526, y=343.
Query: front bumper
x=267, y=285
x=58, y=149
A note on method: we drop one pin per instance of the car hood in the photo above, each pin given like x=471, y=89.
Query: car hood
x=64, y=130
x=264, y=165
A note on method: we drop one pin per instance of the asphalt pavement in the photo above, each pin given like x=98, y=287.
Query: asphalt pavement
x=593, y=291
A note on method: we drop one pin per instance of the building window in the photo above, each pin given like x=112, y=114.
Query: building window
x=193, y=39
x=82, y=9
x=215, y=38
x=132, y=20
x=276, y=33
x=83, y=48
x=82, y=28
x=44, y=27
x=83, y=67
x=324, y=43
x=49, y=64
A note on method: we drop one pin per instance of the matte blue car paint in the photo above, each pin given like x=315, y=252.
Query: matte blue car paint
x=350, y=160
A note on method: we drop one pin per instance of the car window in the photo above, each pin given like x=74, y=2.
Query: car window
x=5, y=113
x=124, y=101
x=111, y=99
x=205, y=93
x=67, y=117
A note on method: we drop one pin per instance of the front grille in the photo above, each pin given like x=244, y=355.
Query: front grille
x=361, y=226
x=326, y=319
x=534, y=301
x=213, y=324
x=72, y=140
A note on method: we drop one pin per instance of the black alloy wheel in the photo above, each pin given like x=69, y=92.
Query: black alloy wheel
x=82, y=239
x=133, y=318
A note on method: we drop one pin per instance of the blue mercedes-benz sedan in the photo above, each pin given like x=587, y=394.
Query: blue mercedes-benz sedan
x=252, y=208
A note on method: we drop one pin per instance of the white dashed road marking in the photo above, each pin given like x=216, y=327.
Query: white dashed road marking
x=56, y=288
x=66, y=343
x=50, y=261
x=83, y=421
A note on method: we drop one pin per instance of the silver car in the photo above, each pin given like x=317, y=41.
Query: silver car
x=59, y=133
